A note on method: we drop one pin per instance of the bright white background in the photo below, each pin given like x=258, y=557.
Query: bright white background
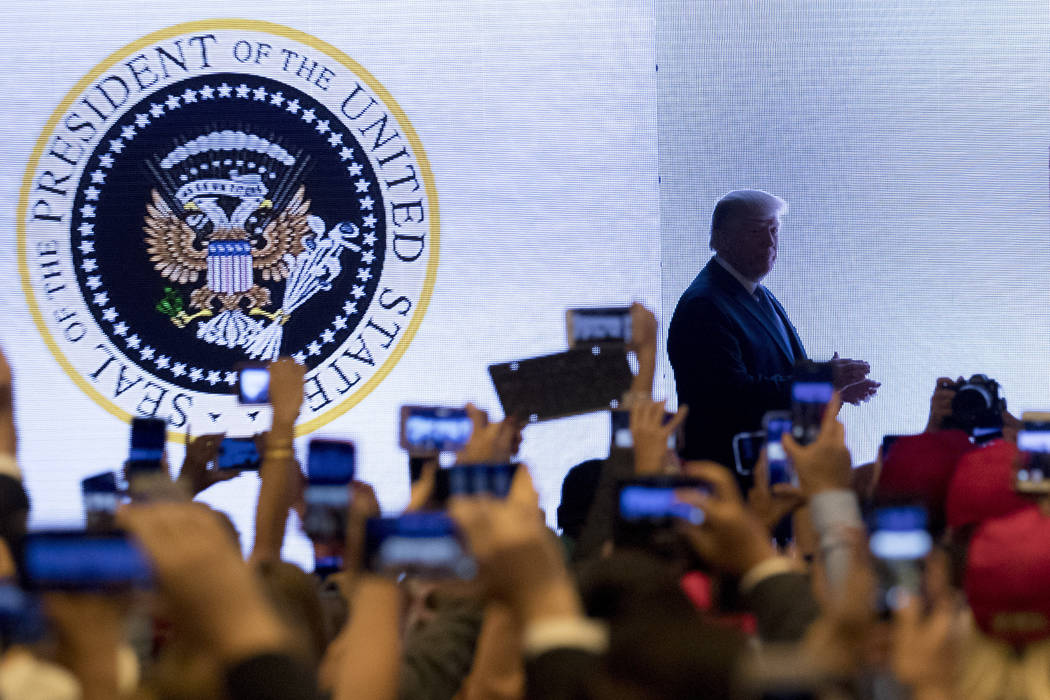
x=539, y=120
x=910, y=139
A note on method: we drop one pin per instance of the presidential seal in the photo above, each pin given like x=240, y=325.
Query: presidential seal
x=221, y=192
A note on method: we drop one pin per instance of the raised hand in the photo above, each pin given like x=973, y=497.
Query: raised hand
x=771, y=505
x=286, y=389
x=643, y=342
x=651, y=434
x=924, y=651
x=941, y=403
x=213, y=594
x=491, y=443
x=196, y=475
x=731, y=538
x=825, y=463
x=521, y=564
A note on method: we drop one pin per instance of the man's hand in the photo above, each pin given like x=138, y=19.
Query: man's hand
x=924, y=649
x=286, y=389
x=643, y=343
x=1011, y=426
x=90, y=629
x=520, y=561
x=850, y=378
x=731, y=538
x=856, y=394
x=651, y=434
x=643, y=328
x=824, y=464
x=771, y=505
x=941, y=403
x=845, y=371
x=491, y=443
x=213, y=595
x=195, y=475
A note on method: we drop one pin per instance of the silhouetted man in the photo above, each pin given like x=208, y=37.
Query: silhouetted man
x=731, y=343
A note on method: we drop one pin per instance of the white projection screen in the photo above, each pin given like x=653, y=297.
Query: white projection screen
x=508, y=148
x=463, y=172
x=910, y=139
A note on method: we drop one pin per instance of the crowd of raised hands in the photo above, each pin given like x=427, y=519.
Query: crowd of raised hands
x=714, y=606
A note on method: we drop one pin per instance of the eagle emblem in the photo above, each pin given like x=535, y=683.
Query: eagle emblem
x=225, y=234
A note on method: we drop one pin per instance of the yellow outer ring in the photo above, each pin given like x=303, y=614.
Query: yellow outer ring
x=288, y=33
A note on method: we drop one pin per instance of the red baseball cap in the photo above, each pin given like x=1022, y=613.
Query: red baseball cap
x=921, y=466
x=982, y=486
x=1007, y=579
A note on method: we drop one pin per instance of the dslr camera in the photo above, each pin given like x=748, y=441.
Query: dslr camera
x=977, y=408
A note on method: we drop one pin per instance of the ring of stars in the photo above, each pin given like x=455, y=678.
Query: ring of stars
x=169, y=103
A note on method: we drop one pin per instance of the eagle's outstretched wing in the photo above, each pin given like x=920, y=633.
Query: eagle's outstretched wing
x=169, y=242
x=284, y=234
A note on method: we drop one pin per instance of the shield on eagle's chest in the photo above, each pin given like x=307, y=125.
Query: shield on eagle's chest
x=229, y=266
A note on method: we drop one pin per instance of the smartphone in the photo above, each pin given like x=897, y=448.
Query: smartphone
x=329, y=471
x=100, y=497
x=811, y=391
x=421, y=545
x=427, y=430
x=747, y=448
x=1032, y=468
x=146, y=453
x=775, y=424
x=899, y=542
x=586, y=327
x=473, y=480
x=624, y=439
x=239, y=453
x=647, y=512
x=82, y=561
x=253, y=384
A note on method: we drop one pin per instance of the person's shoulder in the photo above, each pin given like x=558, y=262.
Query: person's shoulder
x=704, y=295
x=698, y=308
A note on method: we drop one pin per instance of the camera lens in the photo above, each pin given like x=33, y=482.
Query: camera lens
x=970, y=404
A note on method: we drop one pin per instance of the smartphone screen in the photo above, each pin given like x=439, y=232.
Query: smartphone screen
x=253, y=384
x=624, y=439
x=480, y=479
x=648, y=510
x=146, y=452
x=900, y=542
x=747, y=448
x=100, y=501
x=811, y=391
x=776, y=424
x=422, y=545
x=238, y=453
x=329, y=470
x=82, y=561
x=655, y=504
x=589, y=326
x=1032, y=469
x=431, y=429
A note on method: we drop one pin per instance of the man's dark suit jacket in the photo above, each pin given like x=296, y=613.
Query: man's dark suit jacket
x=730, y=362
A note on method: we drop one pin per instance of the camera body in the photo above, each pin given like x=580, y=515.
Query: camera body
x=977, y=408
